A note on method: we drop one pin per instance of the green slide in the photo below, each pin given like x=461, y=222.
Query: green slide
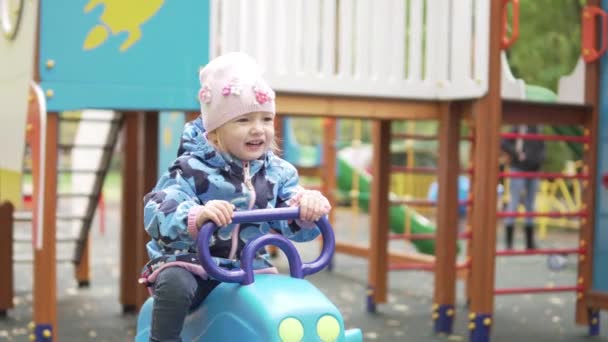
x=537, y=93
x=418, y=223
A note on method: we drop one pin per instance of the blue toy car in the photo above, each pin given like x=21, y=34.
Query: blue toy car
x=264, y=307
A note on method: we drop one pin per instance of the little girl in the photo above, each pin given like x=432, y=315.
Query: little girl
x=227, y=166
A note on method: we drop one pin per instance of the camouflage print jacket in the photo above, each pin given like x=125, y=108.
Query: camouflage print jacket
x=200, y=174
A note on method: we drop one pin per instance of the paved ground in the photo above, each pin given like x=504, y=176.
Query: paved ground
x=93, y=314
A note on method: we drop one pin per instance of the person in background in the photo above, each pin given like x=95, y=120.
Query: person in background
x=524, y=155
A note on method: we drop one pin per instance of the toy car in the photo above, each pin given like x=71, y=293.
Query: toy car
x=264, y=307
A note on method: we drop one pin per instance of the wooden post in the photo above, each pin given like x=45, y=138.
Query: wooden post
x=379, y=211
x=487, y=113
x=82, y=270
x=470, y=211
x=192, y=115
x=45, y=264
x=129, y=207
x=6, y=257
x=147, y=177
x=329, y=181
x=278, y=130
x=446, y=238
x=139, y=177
x=584, y=313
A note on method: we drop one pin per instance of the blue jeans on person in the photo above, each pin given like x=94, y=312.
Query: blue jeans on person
x=176, y=292
x=516, y=187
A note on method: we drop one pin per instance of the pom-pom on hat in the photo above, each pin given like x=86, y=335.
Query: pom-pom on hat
x=232, y=85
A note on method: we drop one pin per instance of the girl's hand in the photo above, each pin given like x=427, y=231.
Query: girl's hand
x=313, y=205
x=220, y=212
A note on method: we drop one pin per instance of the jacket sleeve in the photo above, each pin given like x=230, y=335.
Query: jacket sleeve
x=167, y=206
x=287, y=191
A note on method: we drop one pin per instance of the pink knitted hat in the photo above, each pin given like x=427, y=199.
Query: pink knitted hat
x=232, y=85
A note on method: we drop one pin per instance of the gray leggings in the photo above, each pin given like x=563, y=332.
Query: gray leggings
x=176, y=293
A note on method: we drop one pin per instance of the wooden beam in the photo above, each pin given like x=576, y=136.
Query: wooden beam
x=446, y=239
x=139, y=177
x=129, y=207
x=379, y=210
x=470, y=211
x=586, y=230
x=598, y=300
x=393, y=256
x=147, y=171
x=45, y=264
x=532, y=113
x=360, y=108
x=82, y=270
x=312, y=171
x=487, y=118
x=6, y=257
x=192, y=115
x=328, y=169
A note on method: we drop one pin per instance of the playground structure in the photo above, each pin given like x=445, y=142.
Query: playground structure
x=336, y=80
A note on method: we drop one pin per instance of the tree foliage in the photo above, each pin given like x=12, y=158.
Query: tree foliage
x=549, y=41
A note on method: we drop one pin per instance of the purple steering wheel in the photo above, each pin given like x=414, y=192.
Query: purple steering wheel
x=245, y=275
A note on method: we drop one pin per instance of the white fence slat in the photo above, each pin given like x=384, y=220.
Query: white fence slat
x=214, y=29
x=460, y=42
x=310, y=46
x=380, y=40
x=282, y=46
x=481, y=41
x=230, y=31
x=328, y=38
x=362, y=42
x=244, y=18
x=294, y=25
x=415, y=47
x=345, y=46
x=437, y=52
x=260, y=23
x=397, y=56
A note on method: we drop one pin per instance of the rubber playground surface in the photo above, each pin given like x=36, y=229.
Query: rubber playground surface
x=94, y=313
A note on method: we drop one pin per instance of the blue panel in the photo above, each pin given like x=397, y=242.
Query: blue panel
x=117, y=54
x=171, y=125
x=602, y=192
x=600, y=254
x=600, y=276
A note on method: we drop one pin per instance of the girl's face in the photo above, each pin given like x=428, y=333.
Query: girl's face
x=247, y=137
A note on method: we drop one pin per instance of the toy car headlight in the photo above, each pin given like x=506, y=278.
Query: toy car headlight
x=291, y=330
x=328, y=328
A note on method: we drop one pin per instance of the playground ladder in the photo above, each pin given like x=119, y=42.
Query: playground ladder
x=90, y=154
